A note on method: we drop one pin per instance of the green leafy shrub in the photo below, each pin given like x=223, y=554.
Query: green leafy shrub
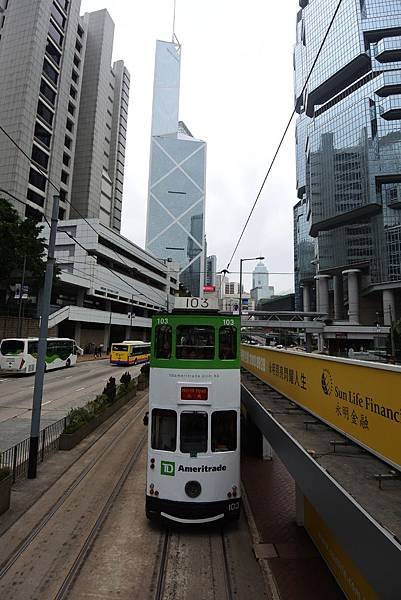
x=145, y=370
x=125, y=378
x=111, y=389
x=76, y=418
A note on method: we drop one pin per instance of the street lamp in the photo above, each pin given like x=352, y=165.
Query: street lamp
x=241, y=260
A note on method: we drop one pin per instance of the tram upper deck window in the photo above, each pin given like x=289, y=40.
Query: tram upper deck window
x=164, y=429
x=193, y=432
x=195, y=342
x=224, y=431
x=227, y=343
x=163, y=341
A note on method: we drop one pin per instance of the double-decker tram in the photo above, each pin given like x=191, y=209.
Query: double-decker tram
x=193, y=471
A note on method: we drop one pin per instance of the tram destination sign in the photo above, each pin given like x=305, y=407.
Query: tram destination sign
x=195, y=303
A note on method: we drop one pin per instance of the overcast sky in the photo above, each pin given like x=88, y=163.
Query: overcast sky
x=236, y=94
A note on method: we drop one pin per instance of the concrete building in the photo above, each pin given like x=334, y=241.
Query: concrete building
x=98, y=176
x=49, y=55
x=347, y=222
x=177, y=177
x=110, y=294
x=260, y=283
x=211, y=267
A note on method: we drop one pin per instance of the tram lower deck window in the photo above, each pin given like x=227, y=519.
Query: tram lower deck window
x=164, y=429
x=224, y=431
x=193, y=432
x=195, y=342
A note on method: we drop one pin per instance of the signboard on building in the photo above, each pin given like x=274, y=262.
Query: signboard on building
x=358, y=399
x=209, y=288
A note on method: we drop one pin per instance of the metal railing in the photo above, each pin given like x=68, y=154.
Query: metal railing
x=16, y=457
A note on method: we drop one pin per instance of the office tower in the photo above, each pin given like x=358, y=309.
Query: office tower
x=348, y=140
x=211, y=268
x=43, y=48
x=260, y=283
x=102, y=127
x=177, y=173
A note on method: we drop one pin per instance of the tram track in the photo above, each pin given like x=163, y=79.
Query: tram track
x=131, y=417
x=223, y=584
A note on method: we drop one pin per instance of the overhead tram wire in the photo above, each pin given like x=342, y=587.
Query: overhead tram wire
x=89, y=252
x=43, y=172
x=284, y=134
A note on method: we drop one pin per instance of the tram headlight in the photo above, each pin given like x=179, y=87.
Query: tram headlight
x=193, y=489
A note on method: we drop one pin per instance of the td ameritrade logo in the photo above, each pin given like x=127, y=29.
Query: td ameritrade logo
x=168, y=468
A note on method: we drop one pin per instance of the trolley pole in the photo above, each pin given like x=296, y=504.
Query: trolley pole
x=42, y=346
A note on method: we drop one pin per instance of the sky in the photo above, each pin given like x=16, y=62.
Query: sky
x=237, y=95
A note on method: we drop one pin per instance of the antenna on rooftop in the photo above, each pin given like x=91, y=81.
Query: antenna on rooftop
x=174, y=38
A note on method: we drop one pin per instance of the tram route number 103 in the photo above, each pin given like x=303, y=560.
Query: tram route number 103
x=196, y=303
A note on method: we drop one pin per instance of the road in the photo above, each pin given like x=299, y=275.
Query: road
x=63, y=389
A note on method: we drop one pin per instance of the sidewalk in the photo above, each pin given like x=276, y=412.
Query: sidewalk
x=89, y=357
x=298, y=570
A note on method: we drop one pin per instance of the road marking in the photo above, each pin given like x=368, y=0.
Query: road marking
x=68, y=377
x=48, y=402
x=79, y=389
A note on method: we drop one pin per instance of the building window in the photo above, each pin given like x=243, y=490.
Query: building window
x=71, y=108
x=40, y=157
x=80, y=31
x=55, y=34
x=53, y=53
x=45, y=113
x=37, y=179
x=73, y=92
x=68, y=142
x=47, y=91
x=64, y=177
x=63, y=195
x=58, y=16
x=42, y=135
x=61, y=214
x=77, y=62
x=75, y=76
x=66, y=159
x=35, y=197
x=50, y=72
x=33, y=214
x=70, y=125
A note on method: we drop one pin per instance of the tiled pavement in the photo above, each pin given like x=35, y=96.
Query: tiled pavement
x=300, y=573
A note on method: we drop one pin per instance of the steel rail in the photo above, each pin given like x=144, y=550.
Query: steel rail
x=6, y=565
x=87, y=545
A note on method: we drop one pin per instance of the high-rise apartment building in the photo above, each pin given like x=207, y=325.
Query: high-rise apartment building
x=64, y=105
x=348, y=140
x=177, y=176
x=211, y=269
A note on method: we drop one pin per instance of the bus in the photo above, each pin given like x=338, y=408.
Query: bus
x=193, y=469
x=130, y=352
x=18, y=355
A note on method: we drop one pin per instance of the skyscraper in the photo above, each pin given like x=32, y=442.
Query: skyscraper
x=49, y=55
x=177, y=173
x=260, y=283
x=348, y=139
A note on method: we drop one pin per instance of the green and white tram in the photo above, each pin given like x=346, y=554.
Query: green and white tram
x=193, y=471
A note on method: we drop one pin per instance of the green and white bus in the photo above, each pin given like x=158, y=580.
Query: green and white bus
x=18, y=355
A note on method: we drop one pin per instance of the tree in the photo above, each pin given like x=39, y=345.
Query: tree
x=20, y=240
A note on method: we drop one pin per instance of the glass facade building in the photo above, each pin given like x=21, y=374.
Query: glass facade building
x=176, y=197
x=347, y=223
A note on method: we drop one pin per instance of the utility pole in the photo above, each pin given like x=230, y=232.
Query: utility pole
x=20, y=298
x=42, y=345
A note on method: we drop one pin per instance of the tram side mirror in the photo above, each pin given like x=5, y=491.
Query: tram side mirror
x=146, y=419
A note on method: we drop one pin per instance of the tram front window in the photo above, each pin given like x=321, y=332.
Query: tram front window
x=224, y=431
x=195, y=342
x=227, y=343
x=163, y=341
x=164, y=429
x=193, y=432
